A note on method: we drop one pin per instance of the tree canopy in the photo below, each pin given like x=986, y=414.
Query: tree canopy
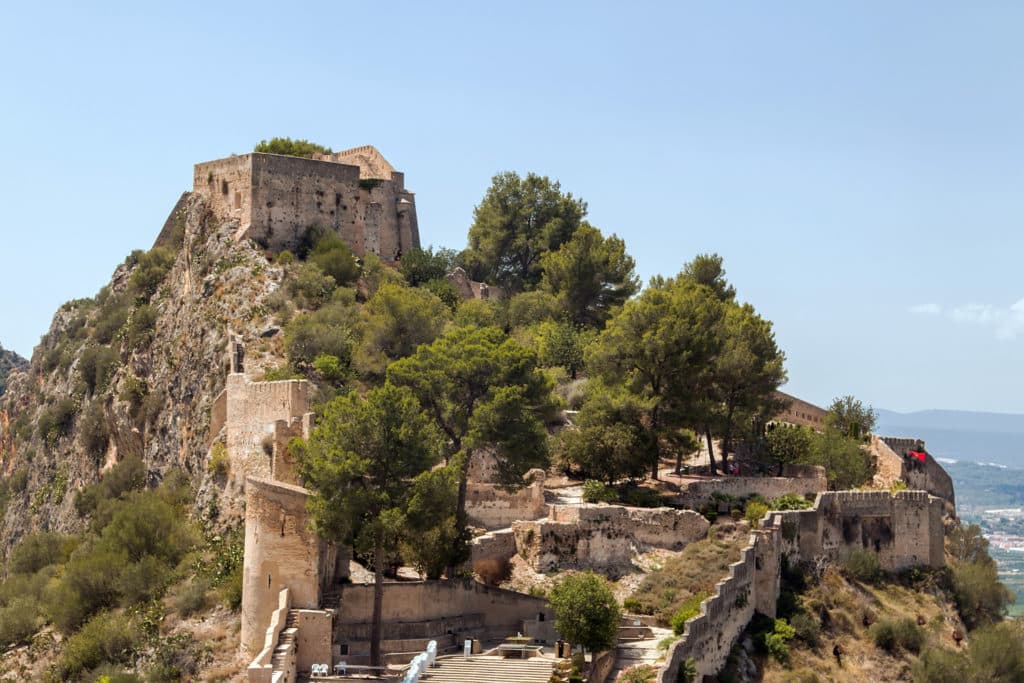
x=516, y=223
x=661, y=347
x=851, y=417
x=397, y=319
x=586, y=611
x=359, y=463
x=482, y=389
x=591, y=274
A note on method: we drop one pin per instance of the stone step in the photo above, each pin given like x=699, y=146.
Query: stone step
x=490, y=670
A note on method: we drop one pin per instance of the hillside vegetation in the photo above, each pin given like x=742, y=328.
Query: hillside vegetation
x=854, y=622
x=120, y=522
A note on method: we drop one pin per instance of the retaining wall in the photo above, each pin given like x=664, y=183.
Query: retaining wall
x=698, y=493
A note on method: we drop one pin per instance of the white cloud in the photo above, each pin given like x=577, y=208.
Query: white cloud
x=926, y=309
x=1007, y=323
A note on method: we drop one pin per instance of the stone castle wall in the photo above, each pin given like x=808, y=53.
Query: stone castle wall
x=259, y=418
x=904, y=530
x=698, y=493
x=601, y=537
x=893, y=463
x=500, y=612
x=277, y=198
x=280, y=552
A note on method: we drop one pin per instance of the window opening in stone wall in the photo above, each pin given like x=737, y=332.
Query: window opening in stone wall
x=223, y=187
x=238, y=200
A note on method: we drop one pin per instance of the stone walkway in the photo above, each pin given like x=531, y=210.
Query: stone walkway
x=638, y=644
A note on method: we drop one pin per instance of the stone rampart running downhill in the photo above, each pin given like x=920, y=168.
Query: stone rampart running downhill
x=904, y=529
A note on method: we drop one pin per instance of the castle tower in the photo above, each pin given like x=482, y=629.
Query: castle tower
x=356, y=193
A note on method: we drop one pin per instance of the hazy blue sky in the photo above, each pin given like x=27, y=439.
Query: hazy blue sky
x=858, y=165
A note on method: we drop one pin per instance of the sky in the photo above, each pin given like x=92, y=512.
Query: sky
x=858, y=165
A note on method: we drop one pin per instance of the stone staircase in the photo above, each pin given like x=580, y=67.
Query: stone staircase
x=638, y=644
x=485, y=669
x=283, y=658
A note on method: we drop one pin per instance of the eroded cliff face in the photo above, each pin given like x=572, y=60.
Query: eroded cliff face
x=83, y=405
x=9, y=362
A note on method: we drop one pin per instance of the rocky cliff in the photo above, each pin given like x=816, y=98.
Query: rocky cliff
x=9, y=362
x=134, y=370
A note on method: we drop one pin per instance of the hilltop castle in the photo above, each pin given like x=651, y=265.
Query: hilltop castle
x=355, y=193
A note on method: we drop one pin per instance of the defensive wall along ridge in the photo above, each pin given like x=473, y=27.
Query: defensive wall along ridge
x=904, y=530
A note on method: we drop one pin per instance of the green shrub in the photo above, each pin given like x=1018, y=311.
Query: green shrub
x=939, y=665
x=141, y=322
x=89, y=584
x=219, y=464
x=56, y=421
x=191, y=597
x=149, y=272
x=18, y=621
x=106, y=638
x=145, y=524
x=176, y=658
x=529, y=308
x=110, y=318
x=862, y=565
x=891, y=634
x=108, y=673
x=34, y=586
x=333, y=256
x=92, y=428
x=309, y=285
x=96, y=366
x=421, y=266
x=232, y=589
x=754, y=512
x=997, y=653
x=127, y=475
x=806, y=628
x=598, y=492
x=291, y=148
x=980, y=597
x=39, y=550
x=790, y=501
x=445, y=291
x=329, y=331
x=777, y=640
x=641, y=497
x=689, y=609
x=139, y=581
x=641, y=673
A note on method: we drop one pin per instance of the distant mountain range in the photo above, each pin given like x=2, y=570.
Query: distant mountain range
x=9, y=360
x=990, y=438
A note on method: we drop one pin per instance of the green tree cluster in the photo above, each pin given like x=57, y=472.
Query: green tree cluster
x=586, y=611
x=360, y=462
x=290, y=147
x=694, y=360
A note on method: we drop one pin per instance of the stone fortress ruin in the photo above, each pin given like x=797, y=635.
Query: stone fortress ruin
x=355, y=193
x=298, y=610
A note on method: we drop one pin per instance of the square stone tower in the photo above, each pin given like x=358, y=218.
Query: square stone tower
x=355, y=193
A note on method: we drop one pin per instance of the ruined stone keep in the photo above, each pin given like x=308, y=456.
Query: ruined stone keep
x=356, y=194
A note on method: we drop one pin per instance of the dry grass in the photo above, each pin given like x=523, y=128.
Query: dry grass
x=845, y=610
x=696, y=569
